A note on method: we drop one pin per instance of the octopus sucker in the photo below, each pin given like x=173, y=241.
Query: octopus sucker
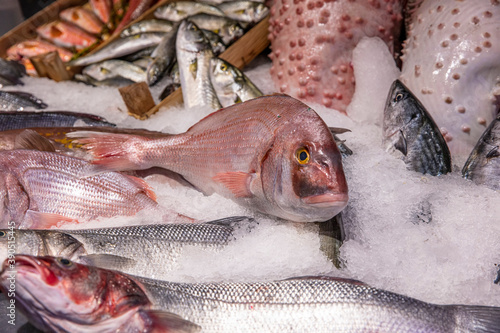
x=326, y=32
x=466, y=68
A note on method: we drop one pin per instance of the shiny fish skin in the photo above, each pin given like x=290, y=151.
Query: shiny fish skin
x=409, y=128
x=66, y=35
x=114, y=68
x=228, y=29
x=164, y=56
x=193, y=58
x=19, y=101
x=120, y=47
x=41, y=189
x=244, y=11
x=248, y=152
x=24, y=119
x=483, y=164
x=230, y=84
x=83, y=18
x=154, y=250
x=147, y=26
x=179, y=10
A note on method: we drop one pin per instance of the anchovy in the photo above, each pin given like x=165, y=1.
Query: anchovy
x=120, y=47
x=228, y=29
x=409, y=128
x=180, y=10
x=109, y=69
x=244, y=11
x=23, y=119
x=483, y=164
x=230, y=84
x=19, y=101
x=193, y=57
x=147, y=26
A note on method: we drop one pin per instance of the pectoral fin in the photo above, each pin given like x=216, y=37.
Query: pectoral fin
x=237, y=182
x=400, y=143
x=41, y=220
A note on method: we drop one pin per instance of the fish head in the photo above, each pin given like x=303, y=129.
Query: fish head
x=403, y=117
x=302, y=173
x=190, y=38
x=58, y=294
x=172, y=11
x=230, y=32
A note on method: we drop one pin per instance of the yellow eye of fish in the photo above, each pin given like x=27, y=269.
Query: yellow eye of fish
x=2, y=234
x=302, y=156
x=223, y=67
x=398, y=97
x=65, y=262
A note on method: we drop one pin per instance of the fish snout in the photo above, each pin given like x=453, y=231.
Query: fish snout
x=26, y=264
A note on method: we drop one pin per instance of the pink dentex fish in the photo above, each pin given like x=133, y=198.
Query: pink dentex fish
x=66, y=35
x=41, y=189
x=102, y=8
x=83, y=18
x=58, y=295
x=273, y=153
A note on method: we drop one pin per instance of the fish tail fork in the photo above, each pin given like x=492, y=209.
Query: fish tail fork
x=480, y=319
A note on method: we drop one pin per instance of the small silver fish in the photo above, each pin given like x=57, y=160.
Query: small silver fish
x=147, y=26
x=409, y=128
x=483, y=164
x=163, y=55
x=215, y=41
x=19, y=101
x=120, y=47
x=244, y=11
x=179, y=10
x=228, y=29
x=193, y=57
x=112, y=82
x=113, y=68
x=230, y=84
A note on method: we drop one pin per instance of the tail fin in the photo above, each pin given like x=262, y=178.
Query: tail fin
x=112, y=152
x=480, y=319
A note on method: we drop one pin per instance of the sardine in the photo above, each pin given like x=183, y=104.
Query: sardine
x=193, y=58
x=307, y=304
x=110, y=69
x=41, y=189
x=228, y=29
x=179, y=10
x=483, y=164
x=120, y=47
x=244, y=11
x=83, y=18
x=19, y=101
x=66, y=35
x=273, y=154
x=409, y=128
x=147, y=26
x=164, y=56
x=98, y=307
x=230, y=84
x=144, y=250
x=15, y=120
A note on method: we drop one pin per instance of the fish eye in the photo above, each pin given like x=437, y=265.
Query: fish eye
x=193, y=27
x=2, y=234
x=65, y=262
x=399, y=96
x=302, y=155
x=223, y=67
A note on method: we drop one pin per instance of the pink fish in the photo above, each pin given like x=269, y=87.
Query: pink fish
x=102, y=8
x=40, y=189
x=273, y=153
x=312, y=44
x=58, y=295
x=135, y=9
x=83, y=18
x=66, y=35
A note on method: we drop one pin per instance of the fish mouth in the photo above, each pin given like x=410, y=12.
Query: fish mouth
x=26, y=264
x=327, y=200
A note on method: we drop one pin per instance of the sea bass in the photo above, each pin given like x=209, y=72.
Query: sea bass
x=409, y=128
x=143, y=250
x=272, y=153
x=41, y=189
x=483, y=164
x=84, y=299
x=55, y=293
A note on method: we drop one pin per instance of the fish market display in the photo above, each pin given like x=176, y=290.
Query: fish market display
x=409, y=128
x=145, y=250
x=451, y=63
x=312, y=45
x=66, y=35
x=41, y=189
x=19, y=101
x=273, y=154
x=24, y=119
x=294, y=305
x=83, y=18
x=193, y=58
x=180, y=10
x=230, y=84
x=482, y=166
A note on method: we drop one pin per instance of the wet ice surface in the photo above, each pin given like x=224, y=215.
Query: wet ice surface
x=433, y=238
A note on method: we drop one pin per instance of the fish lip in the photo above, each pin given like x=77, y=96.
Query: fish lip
x=327, y=200
x=30, y=264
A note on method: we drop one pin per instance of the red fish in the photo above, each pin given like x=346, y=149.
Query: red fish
x=61, y=296
x=102, y=8
x=135, y=9
x=83, y=18
x=272, y=153
x=40, y=189
x=33, y=47
x=66, y=35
